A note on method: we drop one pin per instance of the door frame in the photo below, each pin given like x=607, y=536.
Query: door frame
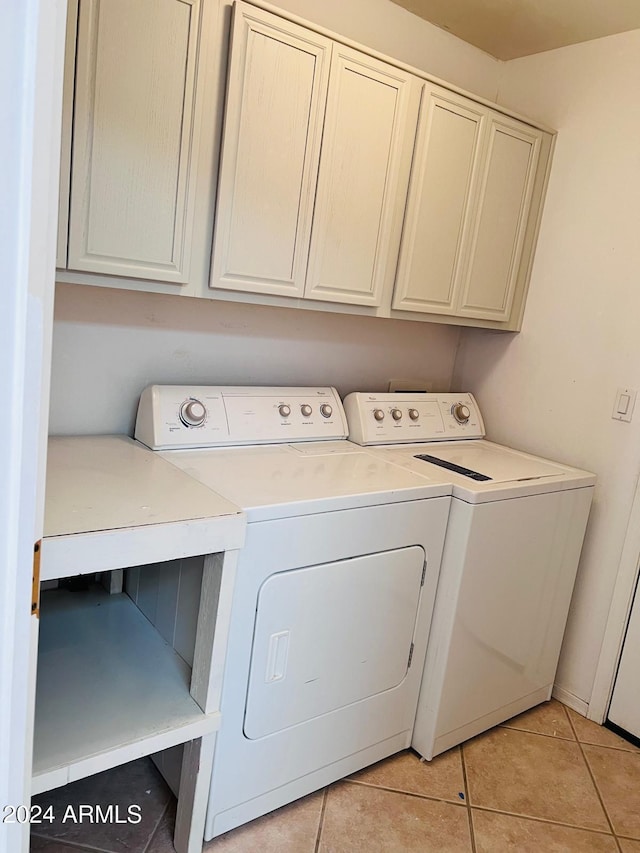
x=31, y=72
x=619, y=611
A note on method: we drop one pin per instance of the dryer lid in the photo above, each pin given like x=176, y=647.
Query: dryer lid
x=280, y=481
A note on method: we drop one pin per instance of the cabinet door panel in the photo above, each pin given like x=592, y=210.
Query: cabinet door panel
x=440, y=195
x=130, y=196
x=277, y=91
x=65, y=136
x=370, y=126
x=501, y=220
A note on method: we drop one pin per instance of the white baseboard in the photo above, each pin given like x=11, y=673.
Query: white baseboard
x=570, y=700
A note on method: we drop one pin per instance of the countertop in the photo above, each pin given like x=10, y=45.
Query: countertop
x=112, y=503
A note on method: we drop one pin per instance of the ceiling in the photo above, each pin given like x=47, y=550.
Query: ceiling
x=511, y=28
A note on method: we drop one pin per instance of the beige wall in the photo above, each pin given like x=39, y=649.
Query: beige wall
x=109, y=344
x=551, y=389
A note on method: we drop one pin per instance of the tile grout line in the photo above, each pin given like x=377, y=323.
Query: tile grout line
x=531, y=732
x=467, y=804
x=593, y=778
x=321, y=821
x=521, y=815
x=460, y=804
x=566, y=739
x=419, y=796
x=566, y=709
x=155, y=828
x=467, y=797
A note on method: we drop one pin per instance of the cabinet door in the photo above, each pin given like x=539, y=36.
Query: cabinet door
x=500, y=225
x=132, y=181
x=369, y=131
x=443, y=181
x=273, y=122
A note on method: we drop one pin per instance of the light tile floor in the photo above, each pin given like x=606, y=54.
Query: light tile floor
x=545, y=782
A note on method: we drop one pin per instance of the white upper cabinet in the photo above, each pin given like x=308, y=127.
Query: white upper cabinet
x=369, y=129
x=315, y=164
x=346, y=181
x=133, y=174
x=504, y=206
x=440, y=202
x=470, y=212
x=273, y=125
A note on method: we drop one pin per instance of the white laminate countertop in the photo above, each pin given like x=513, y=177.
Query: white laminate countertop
x=112, y=503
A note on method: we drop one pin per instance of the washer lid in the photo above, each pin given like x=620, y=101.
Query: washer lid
x=279, y=481
x=511, y=473
x=499, y=465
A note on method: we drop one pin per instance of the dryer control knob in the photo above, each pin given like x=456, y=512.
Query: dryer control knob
x=460, y=412
x=306, y=410
x=192, y=413
x=326, y=410
x=414, y=414
x=284, y=410
x=378, y=414
x=396, y=414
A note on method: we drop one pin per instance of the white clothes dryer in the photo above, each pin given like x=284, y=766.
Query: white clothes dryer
x=513, y=542
x=334, y=590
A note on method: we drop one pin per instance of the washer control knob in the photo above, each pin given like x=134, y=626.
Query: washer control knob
x=414, y=414
x=378, y=414
x=460, y=412
x=284, y=410
x=306, y=410
x=396, y=414
x=192, y=413
x=326, y=410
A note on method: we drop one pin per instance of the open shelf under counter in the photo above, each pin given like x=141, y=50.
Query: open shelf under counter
x=110, y=689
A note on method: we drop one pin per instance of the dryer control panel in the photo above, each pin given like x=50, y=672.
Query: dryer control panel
x=177, y=416
x=388, y=418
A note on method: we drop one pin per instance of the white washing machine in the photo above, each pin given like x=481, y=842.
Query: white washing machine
x=513, y=542
x=334, y=589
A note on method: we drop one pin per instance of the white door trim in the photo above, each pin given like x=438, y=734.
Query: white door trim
x=31, y=55
x=618, y=616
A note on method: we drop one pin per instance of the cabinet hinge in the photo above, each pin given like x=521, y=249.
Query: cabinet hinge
x=35, y=584
x=424, y=573
x=410, y=656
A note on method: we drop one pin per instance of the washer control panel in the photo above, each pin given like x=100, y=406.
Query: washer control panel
x=389, y=418
x=176, y=416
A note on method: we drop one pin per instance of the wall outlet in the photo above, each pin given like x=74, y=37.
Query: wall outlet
x=418, y=385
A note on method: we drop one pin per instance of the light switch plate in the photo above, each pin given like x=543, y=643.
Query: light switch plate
x=624, y=404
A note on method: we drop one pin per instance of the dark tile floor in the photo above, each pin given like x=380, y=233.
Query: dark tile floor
x=548, y=781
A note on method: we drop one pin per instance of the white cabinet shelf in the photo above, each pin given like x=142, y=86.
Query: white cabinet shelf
x=109, y=688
